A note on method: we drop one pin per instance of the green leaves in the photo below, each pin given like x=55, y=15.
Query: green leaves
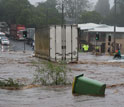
x=91, y=16
x=10, y=83
x=22, y=12
x=52, y=74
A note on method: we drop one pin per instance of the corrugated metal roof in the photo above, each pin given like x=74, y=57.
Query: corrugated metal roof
x=88, y=26
x=107, y=29
x=92, y=27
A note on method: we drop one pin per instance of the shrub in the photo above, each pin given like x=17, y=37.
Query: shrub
x=9, y=83
x=52, y=74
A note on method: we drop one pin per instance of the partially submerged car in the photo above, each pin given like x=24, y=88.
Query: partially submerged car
x=5, y=41
x=2, y=35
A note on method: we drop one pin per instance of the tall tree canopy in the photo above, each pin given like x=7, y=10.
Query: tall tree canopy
x=91, y=17
x=51, y=14
x=22, y=12
x=73, y=8
x=119, y=18
x=12, y=10
x=103, y=7
x=120, y=13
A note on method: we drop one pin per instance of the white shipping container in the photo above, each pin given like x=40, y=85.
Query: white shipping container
x=61, y=46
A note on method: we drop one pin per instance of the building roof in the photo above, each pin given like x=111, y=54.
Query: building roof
x=88, y=26
x=92, y=27
x=109, y=29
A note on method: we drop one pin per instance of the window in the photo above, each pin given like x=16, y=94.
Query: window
x=109, y=38
x=108, y=43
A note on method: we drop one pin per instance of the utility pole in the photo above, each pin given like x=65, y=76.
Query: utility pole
x=75, y=11
x=115, y=3
x=62, y=12
x=46, y=13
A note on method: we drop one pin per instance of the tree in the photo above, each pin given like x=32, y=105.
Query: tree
x=11, y=11
x=91, y=17
x=73, y=8
x=51, y=14
x=120, y=13
x=118, y=19
x=22, y=12
x=103, y=7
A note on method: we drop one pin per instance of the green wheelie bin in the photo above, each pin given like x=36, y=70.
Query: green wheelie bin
x=84, y=85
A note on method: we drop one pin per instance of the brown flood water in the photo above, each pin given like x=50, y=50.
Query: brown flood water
x=17, y=65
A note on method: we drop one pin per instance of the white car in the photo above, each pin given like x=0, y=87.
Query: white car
x=5, y=42
x=2, y=35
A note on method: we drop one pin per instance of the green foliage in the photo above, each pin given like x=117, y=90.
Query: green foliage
x=50, y=12
x=73, y=8
x=102, y=7
x=12, y=9
x=9, y=83
x=22, y=12
x=52, y=74
x=119, y=19
x=90, y=16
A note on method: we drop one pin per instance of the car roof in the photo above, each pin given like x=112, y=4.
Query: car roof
x=4, y=39
x=1, y=33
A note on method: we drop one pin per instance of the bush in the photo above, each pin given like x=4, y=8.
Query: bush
x=9, y=83
x=52, y=74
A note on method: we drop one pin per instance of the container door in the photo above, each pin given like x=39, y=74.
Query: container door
x=63, y=43
x=74, y=43
x=68, y=43
x=71, y=43
x=58, y=48
x=63, y=36
x=52, y=43
x=55, y=43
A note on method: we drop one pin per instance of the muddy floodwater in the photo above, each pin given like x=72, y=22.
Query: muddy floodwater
x=17, y=65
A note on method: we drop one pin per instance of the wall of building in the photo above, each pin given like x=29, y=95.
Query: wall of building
x=109, y=48
x=105, y=42
x=119, y=41
x=90, y=39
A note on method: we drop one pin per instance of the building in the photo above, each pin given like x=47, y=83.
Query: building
x=102, y=36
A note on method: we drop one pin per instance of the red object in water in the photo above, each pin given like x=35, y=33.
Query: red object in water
x=116, y=51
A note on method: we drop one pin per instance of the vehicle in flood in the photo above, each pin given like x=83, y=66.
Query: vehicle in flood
x=2, y=35
x=5, y=41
